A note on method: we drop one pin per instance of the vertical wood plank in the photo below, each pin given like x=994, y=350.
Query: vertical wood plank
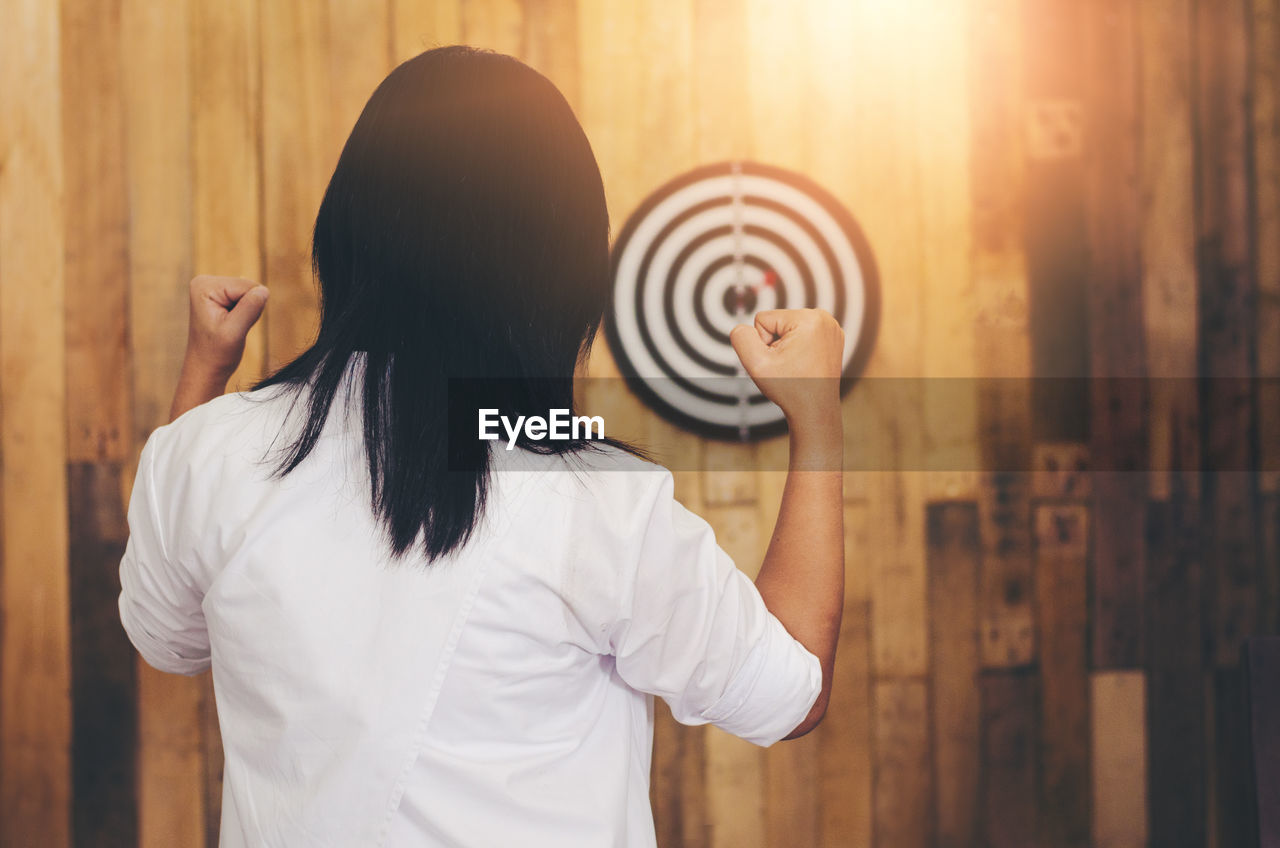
x=1009, y=813
x=359, y=57
x=1176, y=731
x=1062, y=609
x=98, y=426
x=1118, y=446
x=103, y=692
x=295, y=125
x=1003, y=351
x=955, y=554
x=157, y=87
x=1264, y=28
x=97, y=261
x=35, y=674
x=1004, y=510
x=1118, y=709
x=903, y=790
x=1232, y=775
x=1050, y=116
x=1168, y=241
x=1228, y=304
x=844, y=737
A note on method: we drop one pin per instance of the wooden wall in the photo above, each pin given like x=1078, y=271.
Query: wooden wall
x=1040, y=645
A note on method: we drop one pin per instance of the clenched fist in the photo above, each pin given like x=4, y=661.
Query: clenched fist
x=222, y=311
x=795, y=357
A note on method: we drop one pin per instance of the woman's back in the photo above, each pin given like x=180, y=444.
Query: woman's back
x=500, y=695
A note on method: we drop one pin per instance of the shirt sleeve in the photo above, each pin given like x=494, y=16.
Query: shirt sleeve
x=160, y=604
x=694, y=630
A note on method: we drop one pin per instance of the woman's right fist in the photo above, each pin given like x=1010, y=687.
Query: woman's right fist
x=795, y=356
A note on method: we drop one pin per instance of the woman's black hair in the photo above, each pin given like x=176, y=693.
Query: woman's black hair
x=463, y=245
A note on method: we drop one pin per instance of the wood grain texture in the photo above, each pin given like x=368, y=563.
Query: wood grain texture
x=1168, y=240
x=903, y=790
x=295, y=127
x=1233, y=820
x=955, y=557
x=1009, y=801
x=1118, y=439
x=1264, y=31
x=35, y=674
x=1118, y=709
x=845, y=745
x=103, y=696
x=1176, y=729
x=1228, y=298
x=1050, y=117
x=1062, y=610
x=96, y=227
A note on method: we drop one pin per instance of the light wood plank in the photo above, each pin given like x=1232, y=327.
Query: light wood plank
x=903, y=793
x=295, y=124
x=1118, y=708
x=96, y=226
x=35, y=674
x=844, y=737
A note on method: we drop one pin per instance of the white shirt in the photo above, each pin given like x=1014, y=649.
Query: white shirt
x=501, y=696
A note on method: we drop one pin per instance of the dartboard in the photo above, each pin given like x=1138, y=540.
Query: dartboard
x=706, y=252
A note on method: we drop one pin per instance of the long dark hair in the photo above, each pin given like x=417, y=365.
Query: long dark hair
x=463, y=245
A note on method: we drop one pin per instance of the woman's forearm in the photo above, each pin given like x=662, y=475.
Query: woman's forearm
x=802, y=577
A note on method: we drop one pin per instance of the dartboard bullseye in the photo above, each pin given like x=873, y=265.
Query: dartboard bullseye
x=706, y=252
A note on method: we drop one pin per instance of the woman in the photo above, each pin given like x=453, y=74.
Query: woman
x=418, y=637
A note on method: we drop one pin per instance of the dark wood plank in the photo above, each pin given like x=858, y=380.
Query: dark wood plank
x=1060, y=470
x=1232, y=775
x=1262, y=685
x=1118, y=436
x=103, y=693
x=1062, y=610
x=1176, y=729
x=954, y=557
x=1008, y=776
x=1055, y=223
x=903, y=790
x=1008, y=623
x=1228, y=323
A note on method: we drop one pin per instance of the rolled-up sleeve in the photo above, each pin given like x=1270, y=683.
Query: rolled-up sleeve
x=694, y=630
x=160, y=604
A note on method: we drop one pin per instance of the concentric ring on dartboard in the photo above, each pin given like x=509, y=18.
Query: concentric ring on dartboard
x=705, y=252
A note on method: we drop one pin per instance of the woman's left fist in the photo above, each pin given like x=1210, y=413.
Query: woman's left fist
x=222, y=311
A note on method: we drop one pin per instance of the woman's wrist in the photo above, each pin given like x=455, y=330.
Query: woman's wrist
x=817, y=440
